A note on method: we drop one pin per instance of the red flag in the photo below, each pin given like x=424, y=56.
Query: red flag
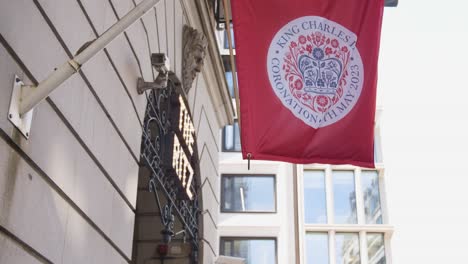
x=307, y=74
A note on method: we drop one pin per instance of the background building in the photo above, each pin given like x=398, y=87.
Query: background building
x=284, y=213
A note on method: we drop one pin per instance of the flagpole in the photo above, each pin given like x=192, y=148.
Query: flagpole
x=66, y=70
x=231, y=58
x=234, y=74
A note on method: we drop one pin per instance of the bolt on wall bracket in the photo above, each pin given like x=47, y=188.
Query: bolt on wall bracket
x=20, y=121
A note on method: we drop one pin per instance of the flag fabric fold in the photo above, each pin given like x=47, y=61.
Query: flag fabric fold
x=307, y=72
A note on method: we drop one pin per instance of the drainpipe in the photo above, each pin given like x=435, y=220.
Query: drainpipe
x=65, y=71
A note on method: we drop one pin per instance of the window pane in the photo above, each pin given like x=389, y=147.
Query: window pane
x=228, y=137
x=255, y=251
x=237, y=142
x=315, y=202
x=231, y=138
x=344, y=197
x=230, y=83
x=226, y=41
x=248, y=193
x=371, y=195
x=228, y=245
x=317, y=248
x=376, y=153
x=376, y=249
x=347, y=248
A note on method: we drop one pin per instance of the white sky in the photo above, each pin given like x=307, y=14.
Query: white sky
x=423, y=88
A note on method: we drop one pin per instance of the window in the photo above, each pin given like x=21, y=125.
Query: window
x=344, y=197
x=375, y=248
x=347, y=248
x=371, y=196
x=317, y=248
x=253, y=250
x=228, y=74
x=377, y=148
x=315, y=204
x=342, y=215
x=226, y=41
x=231, y=138
x=248, y=193
x=230, y=83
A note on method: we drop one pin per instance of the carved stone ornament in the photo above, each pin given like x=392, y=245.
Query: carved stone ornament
x=194, y=52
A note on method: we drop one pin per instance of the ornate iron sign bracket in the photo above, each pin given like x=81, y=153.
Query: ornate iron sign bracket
x=170, y=153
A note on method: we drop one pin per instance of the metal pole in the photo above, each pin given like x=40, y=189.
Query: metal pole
x=231, y=57
x=234, y=72
x=39, y=93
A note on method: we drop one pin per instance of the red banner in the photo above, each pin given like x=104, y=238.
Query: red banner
x=307, y=73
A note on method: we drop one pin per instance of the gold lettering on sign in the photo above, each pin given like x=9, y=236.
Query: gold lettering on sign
x=181, y=165
x=186, y=126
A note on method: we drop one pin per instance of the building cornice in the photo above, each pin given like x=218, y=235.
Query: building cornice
x=199, y=16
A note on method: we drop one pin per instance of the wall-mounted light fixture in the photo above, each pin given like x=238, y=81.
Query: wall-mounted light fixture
x=161, y=64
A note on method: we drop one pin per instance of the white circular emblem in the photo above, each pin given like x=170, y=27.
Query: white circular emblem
x=315, y=69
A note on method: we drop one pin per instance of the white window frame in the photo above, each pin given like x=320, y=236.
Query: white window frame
x=248, y=238
x=360, y=228
x=249, y=175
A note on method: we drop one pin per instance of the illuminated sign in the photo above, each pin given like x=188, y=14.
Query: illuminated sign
x=182, y=166
x=186, y=126
x=179, y=155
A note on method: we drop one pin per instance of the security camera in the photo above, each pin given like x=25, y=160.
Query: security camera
x=161, y=64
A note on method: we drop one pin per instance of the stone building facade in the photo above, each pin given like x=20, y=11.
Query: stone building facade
x=68, y=194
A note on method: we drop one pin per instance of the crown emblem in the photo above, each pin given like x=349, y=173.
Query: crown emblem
x=320, y=75
x=316, y=74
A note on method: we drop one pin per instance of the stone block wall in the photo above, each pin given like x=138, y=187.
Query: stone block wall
x=69, y=193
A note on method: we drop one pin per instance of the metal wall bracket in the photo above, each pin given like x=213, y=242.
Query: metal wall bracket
x=159, y=83
x=22, y=122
